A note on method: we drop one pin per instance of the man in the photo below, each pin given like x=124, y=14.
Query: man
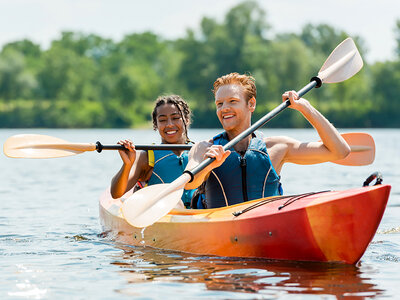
x=251, y=169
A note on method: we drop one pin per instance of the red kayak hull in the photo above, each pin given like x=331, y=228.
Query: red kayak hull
x=326, y=227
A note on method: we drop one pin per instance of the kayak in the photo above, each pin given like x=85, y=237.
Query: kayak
x=329, y=226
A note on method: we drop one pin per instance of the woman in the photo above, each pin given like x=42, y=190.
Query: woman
x=171, y=117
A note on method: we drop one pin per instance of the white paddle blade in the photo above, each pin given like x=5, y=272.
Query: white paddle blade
x=362, y=150
x=42, y=146
x=151, y=203
x=343, y=63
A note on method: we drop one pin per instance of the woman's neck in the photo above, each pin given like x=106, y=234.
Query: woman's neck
x=176, y=152
x=180, y=141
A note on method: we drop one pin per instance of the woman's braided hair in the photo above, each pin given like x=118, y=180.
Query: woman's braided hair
x=182, y=107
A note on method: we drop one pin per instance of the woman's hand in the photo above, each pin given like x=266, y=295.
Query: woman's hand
x=128, y=156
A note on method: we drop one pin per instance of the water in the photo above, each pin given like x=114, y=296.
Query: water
x=51, y=246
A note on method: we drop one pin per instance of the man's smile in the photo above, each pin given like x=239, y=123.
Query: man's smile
x=228, y=116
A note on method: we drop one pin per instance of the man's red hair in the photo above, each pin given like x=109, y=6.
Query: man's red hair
x=247, y=81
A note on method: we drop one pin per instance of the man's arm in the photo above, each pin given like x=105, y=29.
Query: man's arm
x=197, y=154
x=331, y=147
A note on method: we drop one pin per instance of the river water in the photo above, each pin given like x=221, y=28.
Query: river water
x=52, y=247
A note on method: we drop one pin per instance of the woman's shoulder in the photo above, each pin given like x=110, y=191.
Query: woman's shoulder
x=142, y=158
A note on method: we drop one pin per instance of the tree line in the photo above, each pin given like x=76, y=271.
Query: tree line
x=85, y=80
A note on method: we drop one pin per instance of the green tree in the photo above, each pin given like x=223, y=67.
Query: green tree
x=218, y=49
x=397, y=37
x=385, y=91
x=67, y=76
x=16, y=81
x=25, y=47
x=89, y=45
x=85, y=80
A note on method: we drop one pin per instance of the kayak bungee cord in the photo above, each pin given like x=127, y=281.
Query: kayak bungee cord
x=291, y=199
x=298, y=197
x=266, y=201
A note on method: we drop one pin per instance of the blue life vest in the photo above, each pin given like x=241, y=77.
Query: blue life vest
x=167, y=166
x=241, y=179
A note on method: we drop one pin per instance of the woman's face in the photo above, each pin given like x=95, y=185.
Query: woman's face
x=170, y=124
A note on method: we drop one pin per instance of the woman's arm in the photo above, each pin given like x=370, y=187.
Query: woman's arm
x=133, y=165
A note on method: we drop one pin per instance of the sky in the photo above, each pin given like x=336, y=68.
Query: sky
x=42, y=21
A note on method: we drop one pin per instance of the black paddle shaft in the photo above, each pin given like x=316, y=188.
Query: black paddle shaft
x=315, y=82
x=100, y=147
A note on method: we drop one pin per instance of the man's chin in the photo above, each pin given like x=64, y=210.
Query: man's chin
x=228, y=126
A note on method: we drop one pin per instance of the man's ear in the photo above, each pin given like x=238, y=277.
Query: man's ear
x=252, y=104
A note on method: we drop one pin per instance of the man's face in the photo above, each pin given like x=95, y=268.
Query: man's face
x=233, y=110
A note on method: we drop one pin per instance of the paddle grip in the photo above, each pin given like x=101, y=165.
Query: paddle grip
x=317, y=80
x=198, y=168
x=100, y=147
x=164, y=147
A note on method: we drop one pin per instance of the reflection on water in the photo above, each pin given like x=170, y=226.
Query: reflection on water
x=269, y=278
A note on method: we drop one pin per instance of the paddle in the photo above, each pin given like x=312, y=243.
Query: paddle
x=362, y=147
x=44, y=146
x=148, y=205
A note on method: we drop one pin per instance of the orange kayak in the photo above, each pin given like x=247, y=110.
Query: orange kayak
x=333, y=226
